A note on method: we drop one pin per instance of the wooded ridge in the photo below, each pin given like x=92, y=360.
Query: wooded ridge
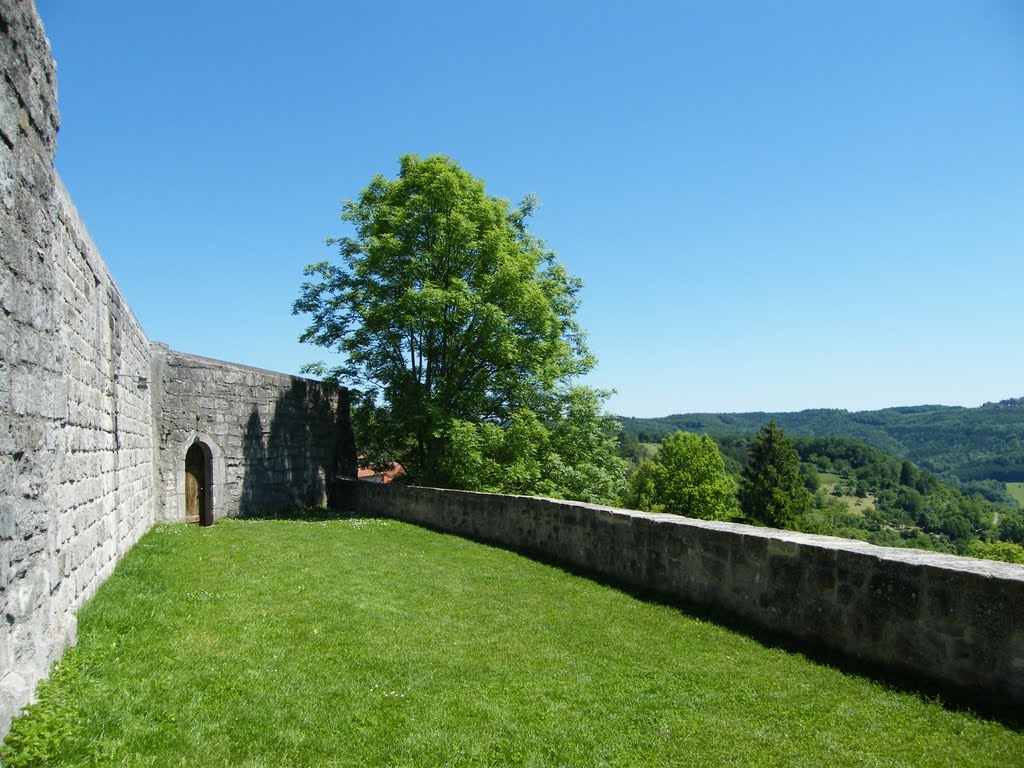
x=970, y=444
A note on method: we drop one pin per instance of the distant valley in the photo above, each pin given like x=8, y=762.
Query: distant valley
x=864, y=470
x=968, y=444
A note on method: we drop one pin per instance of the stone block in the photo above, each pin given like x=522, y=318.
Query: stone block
x=7, y=524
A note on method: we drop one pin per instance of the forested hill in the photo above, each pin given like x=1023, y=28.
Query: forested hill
x=969, y=443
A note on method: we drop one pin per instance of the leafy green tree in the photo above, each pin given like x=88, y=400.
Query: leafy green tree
x=642, y=492
x=572, y=457
x=909, y=474
x=458, y=327
x=996, y=550
x=629, y=447
x=810, y=475
x=772, y=490
x=992, y=490
x=1011, y=527
x=687, y=476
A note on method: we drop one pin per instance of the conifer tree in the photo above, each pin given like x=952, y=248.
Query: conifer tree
x=772, y=490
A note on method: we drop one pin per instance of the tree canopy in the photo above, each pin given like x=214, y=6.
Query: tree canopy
x=457, y=325
x=687, y=476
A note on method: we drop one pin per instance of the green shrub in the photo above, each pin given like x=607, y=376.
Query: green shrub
x=997, y=550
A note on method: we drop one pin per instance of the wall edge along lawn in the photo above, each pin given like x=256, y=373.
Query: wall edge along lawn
x=954, y=621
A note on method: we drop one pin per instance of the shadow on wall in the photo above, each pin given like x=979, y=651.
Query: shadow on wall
x=291, y=462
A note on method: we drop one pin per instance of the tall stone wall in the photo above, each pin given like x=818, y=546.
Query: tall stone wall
x=76, y=466
x=275, y=440
x=94, y=419
x=952, y=620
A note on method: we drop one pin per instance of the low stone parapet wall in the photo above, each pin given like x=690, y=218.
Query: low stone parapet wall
x=952, y=620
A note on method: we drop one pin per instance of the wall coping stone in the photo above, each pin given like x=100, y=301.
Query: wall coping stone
x=167, y=351
x=992, y=568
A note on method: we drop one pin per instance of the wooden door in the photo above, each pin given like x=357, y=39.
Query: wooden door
x=195, y=486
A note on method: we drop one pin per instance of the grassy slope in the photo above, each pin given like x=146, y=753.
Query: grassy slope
x=361, y=642
x=854, y=504
x=1017, y=491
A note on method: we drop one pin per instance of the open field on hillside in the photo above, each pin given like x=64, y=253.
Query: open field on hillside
x=1017, y=491
x=356, y=642
x=854, y=504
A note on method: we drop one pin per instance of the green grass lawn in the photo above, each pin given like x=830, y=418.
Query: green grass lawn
x=1017, y=491
x=374, y=643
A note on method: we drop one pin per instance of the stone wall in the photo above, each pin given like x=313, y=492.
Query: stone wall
x=952, y=620
x=274, y=439
x=94, y=419
x=76, y=482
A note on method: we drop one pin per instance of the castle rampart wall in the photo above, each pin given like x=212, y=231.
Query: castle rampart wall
x=94, y=419
x=76, y=461
x=955, y=621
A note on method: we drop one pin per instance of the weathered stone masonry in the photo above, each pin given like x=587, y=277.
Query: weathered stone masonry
x=94, y=419
x=276, y=441
x=952, y=620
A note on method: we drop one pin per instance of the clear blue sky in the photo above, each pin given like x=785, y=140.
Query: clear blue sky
x=773, y=205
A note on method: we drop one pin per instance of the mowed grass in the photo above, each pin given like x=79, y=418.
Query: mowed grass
x=1017, y=491
x=360, y=642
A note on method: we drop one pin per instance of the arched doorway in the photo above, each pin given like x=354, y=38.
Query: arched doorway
x=197, y=486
